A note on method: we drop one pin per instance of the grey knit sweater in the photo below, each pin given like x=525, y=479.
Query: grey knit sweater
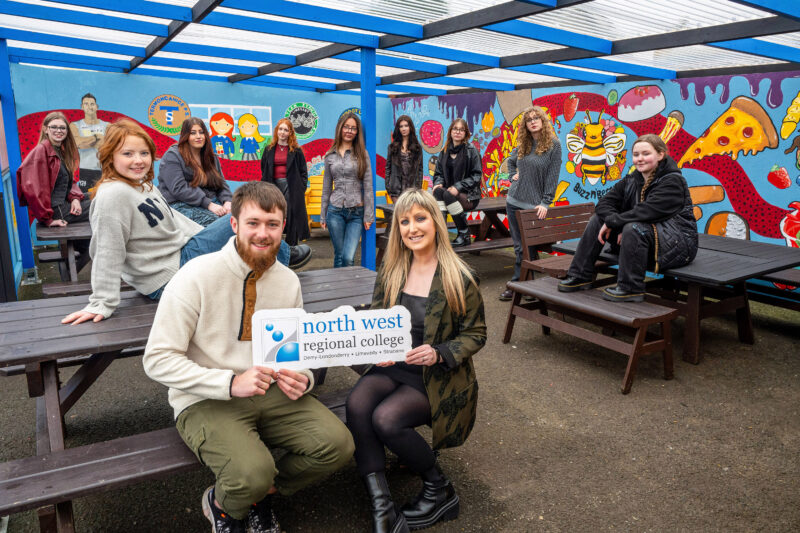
x=538, y=176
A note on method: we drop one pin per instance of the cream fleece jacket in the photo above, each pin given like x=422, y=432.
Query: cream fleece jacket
x=137, y=237
x=193, y=347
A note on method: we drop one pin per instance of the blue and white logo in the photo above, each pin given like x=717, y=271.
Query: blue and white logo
x=280, y=342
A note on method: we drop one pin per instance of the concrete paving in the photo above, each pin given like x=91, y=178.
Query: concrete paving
x=556, y=447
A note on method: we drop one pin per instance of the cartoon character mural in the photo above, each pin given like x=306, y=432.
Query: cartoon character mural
x=595, y=150
x=221, y=126
x=250, y=140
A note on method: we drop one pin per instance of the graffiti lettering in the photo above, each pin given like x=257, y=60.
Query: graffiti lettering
x=594, y=194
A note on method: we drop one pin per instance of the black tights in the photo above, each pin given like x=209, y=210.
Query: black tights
x=382, y=411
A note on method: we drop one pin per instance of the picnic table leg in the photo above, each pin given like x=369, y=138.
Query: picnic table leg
x=633, y=359
x=54, y=425
x=691, y=340
x=73, y=270
x=743, y=318
x=666, y=334
x=511, y=317
x=81, y=380
x=497, y=224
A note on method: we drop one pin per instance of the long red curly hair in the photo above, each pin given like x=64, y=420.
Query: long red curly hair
x=292, y=137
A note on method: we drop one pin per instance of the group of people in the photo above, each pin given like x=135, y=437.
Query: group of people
x=190, y=240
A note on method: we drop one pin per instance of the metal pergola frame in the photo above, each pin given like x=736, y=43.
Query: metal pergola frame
x=574, y=58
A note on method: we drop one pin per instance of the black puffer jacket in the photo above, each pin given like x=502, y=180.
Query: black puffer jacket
x=667, y=206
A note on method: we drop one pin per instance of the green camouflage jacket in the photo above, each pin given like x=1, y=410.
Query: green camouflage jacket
x=452, y=386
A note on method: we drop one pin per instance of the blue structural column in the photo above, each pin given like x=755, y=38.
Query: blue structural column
x=14, y=159
x=369, y=125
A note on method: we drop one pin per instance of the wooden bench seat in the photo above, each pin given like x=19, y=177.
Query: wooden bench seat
x=772, y=295
x=632, y=319
x=64, y=475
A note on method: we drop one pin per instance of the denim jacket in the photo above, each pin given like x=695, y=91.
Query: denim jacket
x=341, y=175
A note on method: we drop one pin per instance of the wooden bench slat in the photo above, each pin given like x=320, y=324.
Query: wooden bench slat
x=789, y=276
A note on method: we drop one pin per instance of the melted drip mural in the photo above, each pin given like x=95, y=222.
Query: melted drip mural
x=740, y=152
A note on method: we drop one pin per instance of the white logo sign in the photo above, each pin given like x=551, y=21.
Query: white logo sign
x=294, y=339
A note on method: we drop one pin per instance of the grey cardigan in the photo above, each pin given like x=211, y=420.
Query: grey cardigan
x=175, y=178
x=538, y=177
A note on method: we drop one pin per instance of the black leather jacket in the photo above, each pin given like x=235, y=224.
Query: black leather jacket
x=470, y=183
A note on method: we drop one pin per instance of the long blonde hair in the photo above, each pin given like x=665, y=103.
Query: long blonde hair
x=397, y=262
x=113, y=140
x=544, y=138
x=69, y=148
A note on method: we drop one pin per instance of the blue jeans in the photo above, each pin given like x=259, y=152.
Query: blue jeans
x=211, y=239
x=344, y=227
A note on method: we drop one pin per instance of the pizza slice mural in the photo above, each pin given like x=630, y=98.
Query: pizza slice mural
x=743, y=127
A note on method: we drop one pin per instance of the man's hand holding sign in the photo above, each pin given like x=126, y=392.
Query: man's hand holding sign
x=291, y=339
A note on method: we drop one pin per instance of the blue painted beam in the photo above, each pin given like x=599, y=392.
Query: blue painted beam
x=599, y=63
x=471, y=83
x=788, y=8
x=71, y=42
x=448, y=54
x=138, y=7
x=294, y=82
x=88, y=61
x=289, y=29
x=85, y=19
x=397, y=62
x=324, y=73
x=413, y=89
x=521, y=28
x=369, y=123
x=201, y=65
x=63, y=64
x=566, y=72
x=175, y=74
x=14, y=155
x=543, y=3
x=761, y=48
x=327, y=15
x=232, y=53
x=275, y=85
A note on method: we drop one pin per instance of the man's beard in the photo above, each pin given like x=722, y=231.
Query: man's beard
x=258, y=261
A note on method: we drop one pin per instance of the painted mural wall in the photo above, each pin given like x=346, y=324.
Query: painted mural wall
x=736, y=139
x=240, y=117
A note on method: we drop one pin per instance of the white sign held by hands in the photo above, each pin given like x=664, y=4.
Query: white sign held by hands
x=294, y=339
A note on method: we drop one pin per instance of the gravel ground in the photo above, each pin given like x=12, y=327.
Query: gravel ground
x=555, y=448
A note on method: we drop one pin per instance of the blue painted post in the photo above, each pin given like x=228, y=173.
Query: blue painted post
x=369, y=124
x=14, y=159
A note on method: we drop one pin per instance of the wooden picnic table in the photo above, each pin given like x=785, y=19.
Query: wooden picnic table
x=66, y=237
x=31, y=334
x=719, y=271
x=491, y=227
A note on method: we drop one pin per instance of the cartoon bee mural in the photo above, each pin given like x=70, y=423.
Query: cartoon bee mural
x=594, y=148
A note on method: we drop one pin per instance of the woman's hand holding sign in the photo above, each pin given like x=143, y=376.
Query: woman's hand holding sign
x=423, y=355
x=253, y=382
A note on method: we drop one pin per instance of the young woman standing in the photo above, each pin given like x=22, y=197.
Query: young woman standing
x=404, y=162
x=457, y=180
x=347, y=202
x=190, y=176
x=533, y=167
x=284, y=165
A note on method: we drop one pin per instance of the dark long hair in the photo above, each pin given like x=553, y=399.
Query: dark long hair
x=358, y=148
x=205, y=170
x=397, y=138
x=467, y=133
x=69, y=148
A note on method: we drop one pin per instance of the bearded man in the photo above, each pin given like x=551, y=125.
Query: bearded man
x=228, y=411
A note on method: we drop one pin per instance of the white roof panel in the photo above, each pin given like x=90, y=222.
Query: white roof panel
x=353, y=67
x=75, y=30
x=490, y=43
x=506, y=76
x=210, y=59
x=785, y=39
x=615, y=19
x=280, y=74
x=694, y=58
x=145, y=66
x=63, y=50
x=82, y=9
x=416, y=11
x=248, y=40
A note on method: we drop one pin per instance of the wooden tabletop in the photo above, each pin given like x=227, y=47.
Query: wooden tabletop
x=721, y=260
x=78, y=230
x=31, y=330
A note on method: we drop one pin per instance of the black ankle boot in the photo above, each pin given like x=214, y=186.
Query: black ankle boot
x=464, y=237
x=385, y=519
x=438, y=501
